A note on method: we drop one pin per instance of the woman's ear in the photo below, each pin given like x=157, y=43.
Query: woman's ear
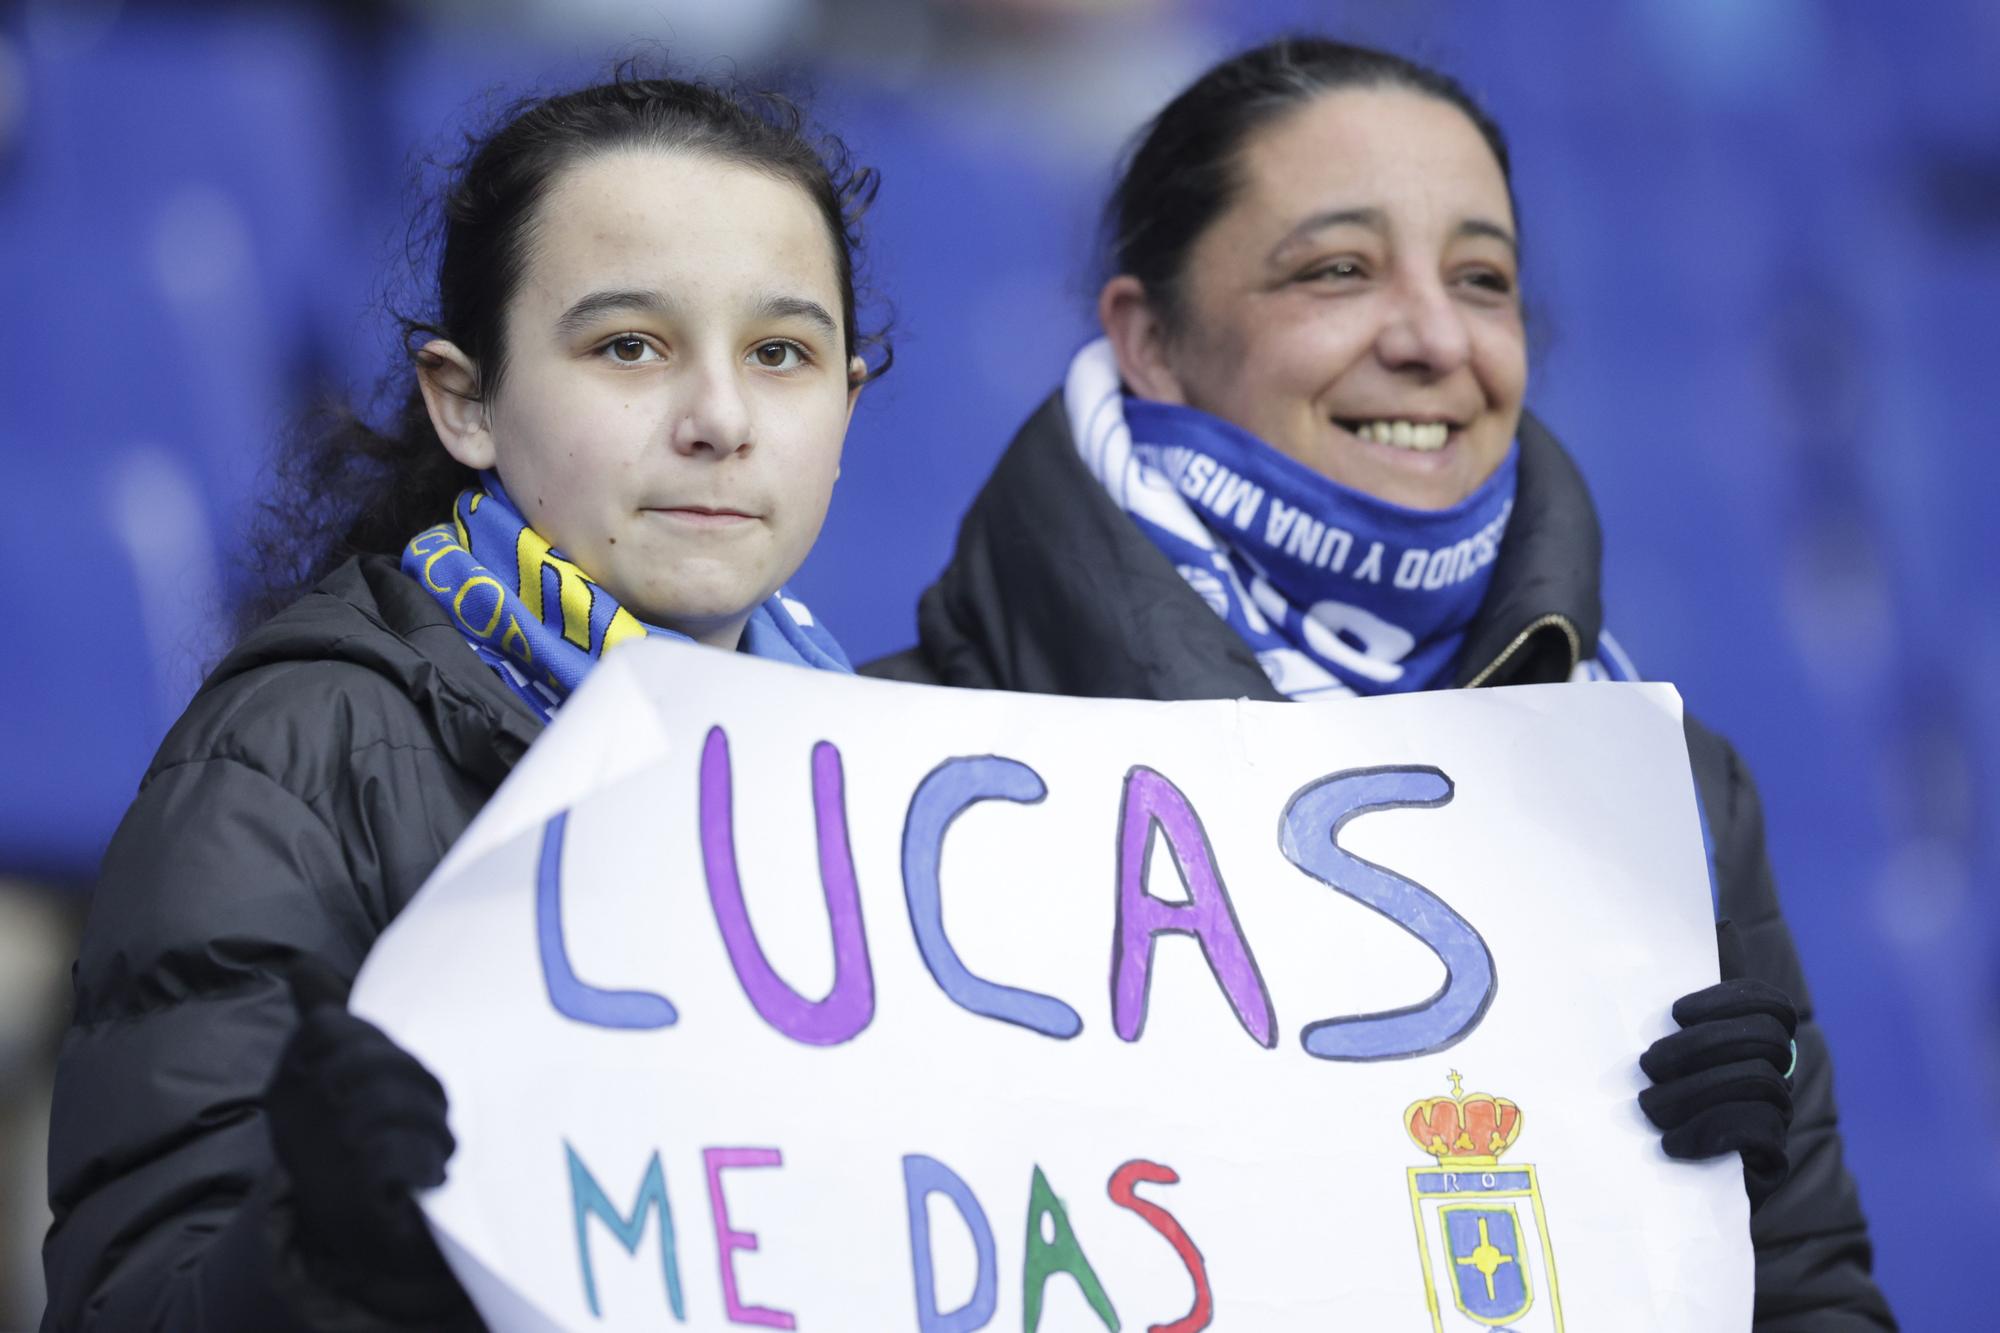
x=1139, y=338
x=450, y=385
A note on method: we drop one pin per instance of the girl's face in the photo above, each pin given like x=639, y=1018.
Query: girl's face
x=1355, y=306
x=676, y=389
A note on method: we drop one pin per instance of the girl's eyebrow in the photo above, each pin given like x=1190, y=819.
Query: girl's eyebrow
x=798, y=307
x=588, y=309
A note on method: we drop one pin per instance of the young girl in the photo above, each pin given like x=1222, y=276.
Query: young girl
x=626, y=419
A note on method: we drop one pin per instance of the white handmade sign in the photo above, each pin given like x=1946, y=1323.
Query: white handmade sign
x=767, y=997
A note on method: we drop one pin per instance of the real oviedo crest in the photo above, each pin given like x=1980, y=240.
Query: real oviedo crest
x=1488, y=1261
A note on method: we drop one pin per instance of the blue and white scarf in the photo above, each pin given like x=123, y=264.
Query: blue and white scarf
x=539, y=621
x=1336, y=592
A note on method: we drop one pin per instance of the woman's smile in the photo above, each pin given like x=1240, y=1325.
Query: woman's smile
x=1414, y=443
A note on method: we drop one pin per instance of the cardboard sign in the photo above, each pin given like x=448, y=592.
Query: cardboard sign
x=771, y=998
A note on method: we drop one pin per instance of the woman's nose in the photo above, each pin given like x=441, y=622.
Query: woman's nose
x=712, y=415
x=1424, y=331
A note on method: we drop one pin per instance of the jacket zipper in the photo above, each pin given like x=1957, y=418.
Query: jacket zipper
x=1534, y=627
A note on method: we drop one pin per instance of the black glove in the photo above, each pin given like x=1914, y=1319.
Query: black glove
x=357, y=1123
x=1720, y=1083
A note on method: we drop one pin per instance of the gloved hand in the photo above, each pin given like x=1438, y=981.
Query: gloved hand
x=357, y=1123
x=1720, y=1083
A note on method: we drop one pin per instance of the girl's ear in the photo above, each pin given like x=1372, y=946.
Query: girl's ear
x=1139, y=338
x=450, y=385
x=857, y=380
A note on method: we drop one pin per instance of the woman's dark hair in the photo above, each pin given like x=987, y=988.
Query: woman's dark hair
x=1182, y=172
x=346, y=487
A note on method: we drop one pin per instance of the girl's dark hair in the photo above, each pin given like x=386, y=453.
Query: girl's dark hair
x=1182, y=172
x=346, y=487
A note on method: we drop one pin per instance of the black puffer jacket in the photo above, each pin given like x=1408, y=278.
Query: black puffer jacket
x=309, y=789
x=1053, y=589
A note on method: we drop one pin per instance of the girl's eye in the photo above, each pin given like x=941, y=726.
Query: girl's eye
x=778, y=355
x=630, y=349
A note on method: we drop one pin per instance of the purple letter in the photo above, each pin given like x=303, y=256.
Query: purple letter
x=1207, y=914
x=727, y=1241
x=850, y=1005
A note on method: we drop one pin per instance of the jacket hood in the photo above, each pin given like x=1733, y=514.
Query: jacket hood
x=370, y=614
x=1053, y=589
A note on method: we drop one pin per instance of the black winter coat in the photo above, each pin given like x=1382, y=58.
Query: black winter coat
x=310, y=788
x=1054, y=590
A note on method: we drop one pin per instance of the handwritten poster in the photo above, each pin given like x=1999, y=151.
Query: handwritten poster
x=767, y=998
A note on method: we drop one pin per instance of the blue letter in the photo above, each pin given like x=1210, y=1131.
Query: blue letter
x=589, y=1198
x=571, y=997
x=1469, y=979
x=946, y=793
x=922, y=1177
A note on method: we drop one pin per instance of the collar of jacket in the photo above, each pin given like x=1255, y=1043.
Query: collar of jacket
x=368, y=612
x=1053, y=590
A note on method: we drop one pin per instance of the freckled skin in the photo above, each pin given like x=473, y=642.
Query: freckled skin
x=610, y=455
x=1416, y=318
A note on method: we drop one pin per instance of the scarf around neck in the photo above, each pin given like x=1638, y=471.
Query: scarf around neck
x=1335, y=591
x=539, y=621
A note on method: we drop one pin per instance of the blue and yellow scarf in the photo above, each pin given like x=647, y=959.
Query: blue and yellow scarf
x=539, y=621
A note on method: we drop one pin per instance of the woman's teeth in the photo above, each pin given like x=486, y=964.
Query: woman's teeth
x=1422, y=436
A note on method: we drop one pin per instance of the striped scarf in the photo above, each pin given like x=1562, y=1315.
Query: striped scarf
x=539, y=621
x=1337, y=592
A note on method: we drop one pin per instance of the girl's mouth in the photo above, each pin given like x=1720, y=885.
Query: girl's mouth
x=704, y=516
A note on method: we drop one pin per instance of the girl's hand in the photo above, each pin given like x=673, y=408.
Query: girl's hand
x=358, y=1124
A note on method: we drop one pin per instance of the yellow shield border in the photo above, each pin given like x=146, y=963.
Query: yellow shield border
x=1534, y=1196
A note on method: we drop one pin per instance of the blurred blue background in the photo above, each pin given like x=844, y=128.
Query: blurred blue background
x=1763, y=256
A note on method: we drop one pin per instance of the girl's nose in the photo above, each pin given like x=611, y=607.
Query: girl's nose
x=712, y=416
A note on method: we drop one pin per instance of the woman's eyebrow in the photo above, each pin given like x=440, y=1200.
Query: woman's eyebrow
x=587, y=309
x=1372, y=218
x=1482, y=227
x=1376, y=220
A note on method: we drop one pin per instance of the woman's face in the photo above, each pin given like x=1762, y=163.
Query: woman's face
x=1356, y=305
x=676, y=389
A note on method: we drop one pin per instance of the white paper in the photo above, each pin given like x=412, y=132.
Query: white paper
x=1568, y=845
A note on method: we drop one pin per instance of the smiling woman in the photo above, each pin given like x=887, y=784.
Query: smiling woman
x=1371, y=331
x=1297, y=465
x=625, y=417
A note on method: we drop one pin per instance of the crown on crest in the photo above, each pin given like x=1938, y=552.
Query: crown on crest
x=1464, y=1129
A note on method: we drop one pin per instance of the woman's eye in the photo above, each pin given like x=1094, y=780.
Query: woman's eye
x=777, y=355
x=1339, y=269
x=630, y=349
x=1491, y=280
